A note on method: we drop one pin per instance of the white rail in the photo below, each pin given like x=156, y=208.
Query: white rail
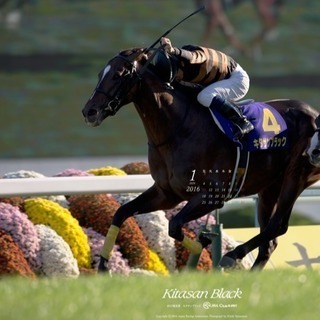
x=75, y=185
x=94, y=184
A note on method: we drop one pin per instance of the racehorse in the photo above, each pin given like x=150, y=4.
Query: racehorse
x=191, y=159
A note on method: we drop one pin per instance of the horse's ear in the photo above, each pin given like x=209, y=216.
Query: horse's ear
x=144, y=57
x=138, y=55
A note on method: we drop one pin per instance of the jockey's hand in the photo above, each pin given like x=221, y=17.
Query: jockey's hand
x=166, y=43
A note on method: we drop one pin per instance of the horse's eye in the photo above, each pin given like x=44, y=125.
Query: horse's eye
x=116, y=76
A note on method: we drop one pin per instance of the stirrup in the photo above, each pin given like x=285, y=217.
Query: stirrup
x=243, y=130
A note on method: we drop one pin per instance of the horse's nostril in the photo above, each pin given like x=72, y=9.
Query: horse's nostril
x=316, y=152
x=92, y=112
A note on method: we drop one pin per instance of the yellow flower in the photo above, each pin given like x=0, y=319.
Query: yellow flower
x=42, y=211
x=155, y=264
x=107, y=171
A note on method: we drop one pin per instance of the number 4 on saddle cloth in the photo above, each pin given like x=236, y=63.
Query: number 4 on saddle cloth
x=270, y=129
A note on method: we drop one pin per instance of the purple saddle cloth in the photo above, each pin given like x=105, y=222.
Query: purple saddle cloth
x=270, y=129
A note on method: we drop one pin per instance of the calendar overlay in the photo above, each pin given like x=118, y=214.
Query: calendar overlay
x=216, y=185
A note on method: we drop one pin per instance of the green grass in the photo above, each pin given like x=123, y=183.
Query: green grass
x=283, y=295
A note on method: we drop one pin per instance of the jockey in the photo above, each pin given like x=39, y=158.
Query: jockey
x=223, y=79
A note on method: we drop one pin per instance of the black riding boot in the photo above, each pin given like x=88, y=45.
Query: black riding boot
x=233, y=113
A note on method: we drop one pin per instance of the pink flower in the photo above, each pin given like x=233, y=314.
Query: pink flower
x=73, y=173
x=22, y=230
x=116, y=264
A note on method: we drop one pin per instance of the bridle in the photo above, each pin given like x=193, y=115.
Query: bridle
x=128, y=80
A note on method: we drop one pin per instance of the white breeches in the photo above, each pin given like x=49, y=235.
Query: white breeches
x=234, y=88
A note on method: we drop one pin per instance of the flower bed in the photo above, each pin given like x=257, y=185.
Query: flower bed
x=55, y=254
x=96, y=212
x=63, y=236
x=12, y=260
x=23, y=232
x=42, y=211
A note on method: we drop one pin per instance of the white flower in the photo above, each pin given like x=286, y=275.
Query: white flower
x=60, y=199
x=154, y=227
x=23, y=174
x=123, y=198
x=143, y=272
x=55, y=254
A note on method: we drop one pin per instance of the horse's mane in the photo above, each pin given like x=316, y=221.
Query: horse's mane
x=132, y=52
x=188, y=89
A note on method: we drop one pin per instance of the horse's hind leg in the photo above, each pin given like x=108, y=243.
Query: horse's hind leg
x=291, y=188
x=152, y=199
x=193, y=210
x=266, y=208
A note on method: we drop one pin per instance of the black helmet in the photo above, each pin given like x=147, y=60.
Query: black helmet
x=164, y=65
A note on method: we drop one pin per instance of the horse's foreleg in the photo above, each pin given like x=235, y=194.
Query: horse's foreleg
x=152, y=199
x=193, y=210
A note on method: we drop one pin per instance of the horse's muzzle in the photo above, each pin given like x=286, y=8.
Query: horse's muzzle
x=313, y=150
x=94, y=117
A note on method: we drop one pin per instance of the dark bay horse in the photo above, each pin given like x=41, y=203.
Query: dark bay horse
x=185, y=145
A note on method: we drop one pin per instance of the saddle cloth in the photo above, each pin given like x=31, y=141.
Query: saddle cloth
x=270, y=129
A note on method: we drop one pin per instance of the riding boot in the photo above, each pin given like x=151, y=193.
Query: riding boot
x=233, y=113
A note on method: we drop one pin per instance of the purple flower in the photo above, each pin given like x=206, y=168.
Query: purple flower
x=73, y=173
x=23, y=232
x=116, y=264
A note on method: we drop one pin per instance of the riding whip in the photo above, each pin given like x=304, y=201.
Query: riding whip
x=168, y=31
x=163, y=35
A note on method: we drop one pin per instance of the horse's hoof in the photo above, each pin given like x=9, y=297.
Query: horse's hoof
x=205, y=239
x=227, y=263
x=102, y=268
